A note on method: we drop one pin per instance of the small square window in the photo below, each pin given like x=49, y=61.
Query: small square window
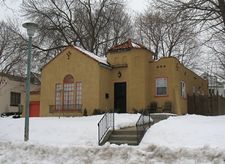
x=161, y=87
x=15, y=98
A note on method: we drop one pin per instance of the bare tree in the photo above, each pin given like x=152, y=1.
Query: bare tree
x=167, y=35
x=93, y=24
x=12, y=49
x=217, y=45
x=209, y=15
x=150, y=31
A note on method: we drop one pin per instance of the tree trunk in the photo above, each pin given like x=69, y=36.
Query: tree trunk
x=222, y=10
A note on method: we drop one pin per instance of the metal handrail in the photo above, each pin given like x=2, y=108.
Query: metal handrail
x=104, y=125
x=143, y=121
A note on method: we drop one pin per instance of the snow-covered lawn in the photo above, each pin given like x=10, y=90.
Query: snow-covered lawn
x=64, y=131
x=191, y=131
x=183, y=139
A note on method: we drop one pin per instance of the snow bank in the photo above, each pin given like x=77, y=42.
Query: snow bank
x=36, y=154
x=191, y=131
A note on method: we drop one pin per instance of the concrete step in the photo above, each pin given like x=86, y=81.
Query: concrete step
x=119, y=142
x=123, y=137
x=124, y=132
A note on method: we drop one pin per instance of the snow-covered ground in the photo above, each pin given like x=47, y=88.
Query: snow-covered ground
x=183, y=139
x=191, y=131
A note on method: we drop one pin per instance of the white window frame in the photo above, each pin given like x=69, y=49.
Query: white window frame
x=163, y=84
x=58, y=96
x=79, y=94
x=193, y=89
x=183, y=89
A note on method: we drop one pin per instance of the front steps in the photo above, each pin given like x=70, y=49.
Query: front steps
x=124, y=136
x=128, y=135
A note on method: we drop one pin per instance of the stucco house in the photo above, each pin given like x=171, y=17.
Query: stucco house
x=12, y=91
x=127, y=79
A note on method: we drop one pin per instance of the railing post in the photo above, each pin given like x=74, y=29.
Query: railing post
x=98, y=135
x=113, y=121
x=106, y=120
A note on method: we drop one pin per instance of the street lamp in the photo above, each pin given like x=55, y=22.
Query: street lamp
x=31, y=28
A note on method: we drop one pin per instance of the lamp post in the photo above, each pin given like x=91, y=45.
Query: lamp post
x=31, y=28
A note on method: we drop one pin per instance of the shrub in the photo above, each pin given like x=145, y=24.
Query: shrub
x=167, y=107
x=85, y=112
x=135, y=110
x=153, y=107
x=97, y=112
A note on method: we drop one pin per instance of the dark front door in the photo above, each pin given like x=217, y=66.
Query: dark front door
x=120, y=103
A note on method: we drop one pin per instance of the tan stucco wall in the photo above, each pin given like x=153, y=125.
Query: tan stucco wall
x=106, y=86
x=35, y=97
x=82, y=68
x=162, y=69
x=134, y=70
x=175, y=72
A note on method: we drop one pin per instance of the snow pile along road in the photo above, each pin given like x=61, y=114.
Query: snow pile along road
x=107, y=154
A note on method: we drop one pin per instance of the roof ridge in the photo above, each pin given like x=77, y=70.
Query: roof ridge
x=100, y=59
x=129, y=44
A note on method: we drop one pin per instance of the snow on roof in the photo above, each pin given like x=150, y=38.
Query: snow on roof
x=99, y=59
x=135, y=45
x=12, y=77
x=102, y=60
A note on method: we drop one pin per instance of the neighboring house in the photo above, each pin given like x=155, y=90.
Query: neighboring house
x=128, y=79
x=12, y=91
x=216, y=86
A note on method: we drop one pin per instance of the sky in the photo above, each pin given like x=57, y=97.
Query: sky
x=11, y=9
x=137, y=5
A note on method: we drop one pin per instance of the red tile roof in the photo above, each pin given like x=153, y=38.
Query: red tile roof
x=126, y=45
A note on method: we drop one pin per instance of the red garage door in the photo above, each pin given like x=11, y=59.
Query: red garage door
x=35, y=109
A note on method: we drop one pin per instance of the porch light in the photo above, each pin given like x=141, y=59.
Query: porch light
x=31, y=28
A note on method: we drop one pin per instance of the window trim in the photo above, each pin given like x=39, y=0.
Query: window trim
x=61, y=95
x=68, y=81
x=15, y=98
x=183, y=92
x=71, y=94
x=163, y=95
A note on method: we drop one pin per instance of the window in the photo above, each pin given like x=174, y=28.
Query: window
x=183, y=89
x=15, y=98
x=68, y=96
x=68, y=92
x=193, y=90
x=161, y=87
x=79, y=95
x=58, y=96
